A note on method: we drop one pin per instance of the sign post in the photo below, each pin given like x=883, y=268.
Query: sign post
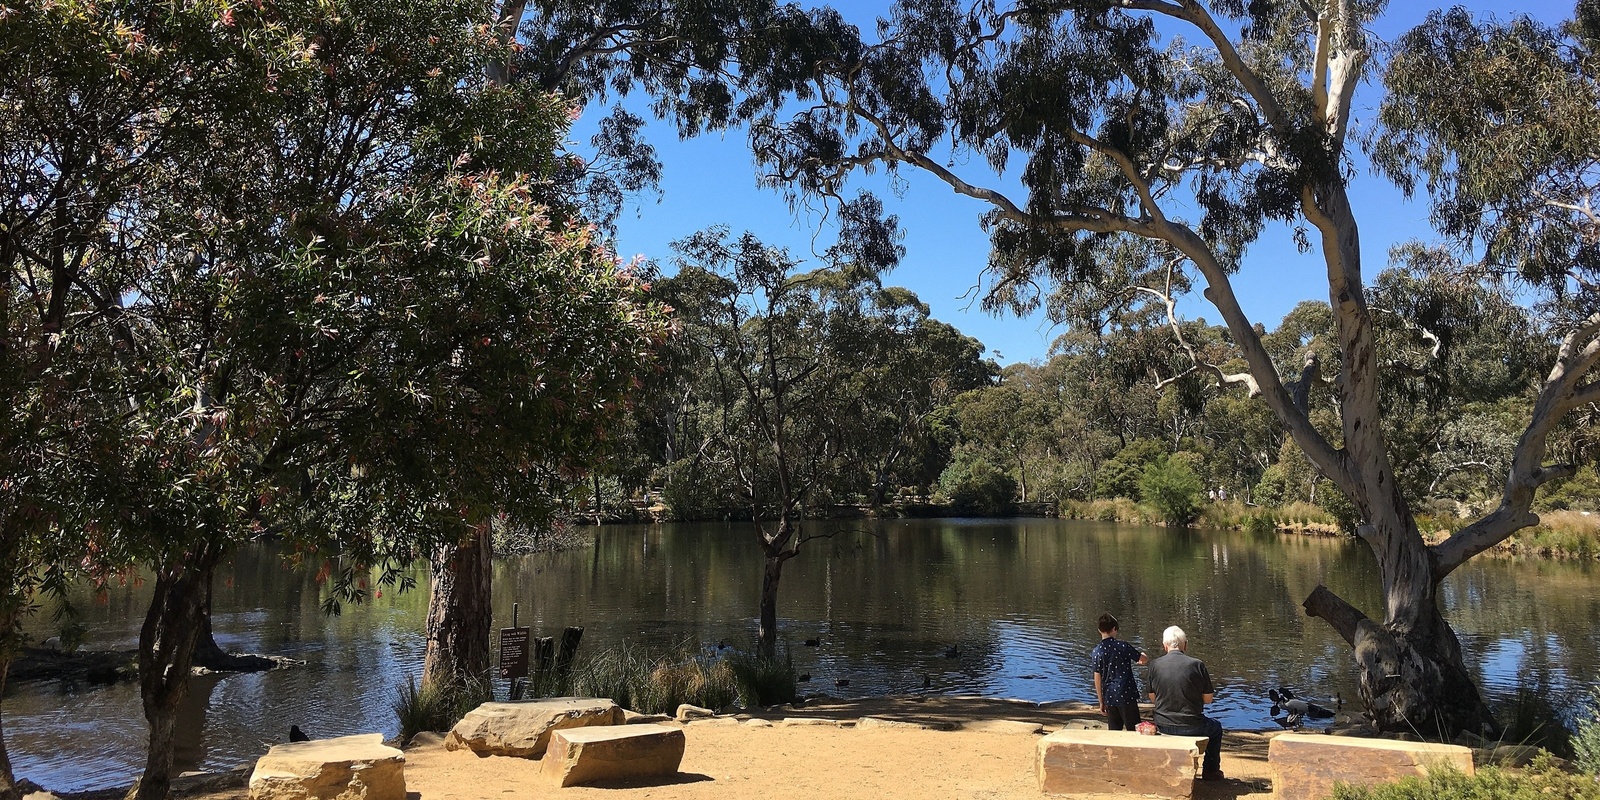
x=514, y=652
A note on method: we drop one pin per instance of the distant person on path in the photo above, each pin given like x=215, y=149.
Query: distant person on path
x=1180, y=687
x=1113, y=661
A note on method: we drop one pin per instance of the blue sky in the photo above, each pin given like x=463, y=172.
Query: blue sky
x=712, y=180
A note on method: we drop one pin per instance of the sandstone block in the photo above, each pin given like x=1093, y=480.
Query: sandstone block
x=346, y=768
x=1305, y=766
x=1078, y=761
x=593, y=755
x=688, y=712
x=631, y=717
x=522, y=729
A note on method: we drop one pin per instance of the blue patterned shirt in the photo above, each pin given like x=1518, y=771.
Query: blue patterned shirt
x=1114, y=660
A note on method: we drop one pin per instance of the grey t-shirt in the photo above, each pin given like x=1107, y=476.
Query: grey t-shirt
x=1179, y=682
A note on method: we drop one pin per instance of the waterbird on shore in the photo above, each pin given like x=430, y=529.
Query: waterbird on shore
x=297, y=735
x=1297, y=708
x=813, y=643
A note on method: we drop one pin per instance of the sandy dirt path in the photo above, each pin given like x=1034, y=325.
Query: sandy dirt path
x=725, y=758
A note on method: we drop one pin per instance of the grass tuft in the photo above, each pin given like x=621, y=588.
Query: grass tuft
x=435, y=706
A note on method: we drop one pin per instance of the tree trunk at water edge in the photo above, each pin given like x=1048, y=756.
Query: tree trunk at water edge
x=166, y=652
x=208, y=654
x=1410, y=672
x=460, y=614
x=772, y=571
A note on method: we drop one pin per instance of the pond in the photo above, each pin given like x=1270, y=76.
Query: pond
x=888, y=601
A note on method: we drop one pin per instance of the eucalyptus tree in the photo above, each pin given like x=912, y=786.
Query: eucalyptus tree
x=1190, y=126
x=777, y=349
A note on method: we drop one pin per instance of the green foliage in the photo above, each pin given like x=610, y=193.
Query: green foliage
x=1586, y=734
x=1542, y=780
x=1333, y=501
x=1581, y=492
x=1522, y=110
x=696, y=488
x=1273, y=488
x=436, y=706
x=975, y=487
x=764, y=680
x=1121, y=474
x=1173, y=490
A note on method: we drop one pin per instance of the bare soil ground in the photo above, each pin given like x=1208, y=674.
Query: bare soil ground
x=835, y=756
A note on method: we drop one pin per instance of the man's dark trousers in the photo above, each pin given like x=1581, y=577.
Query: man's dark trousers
x=1212, y=730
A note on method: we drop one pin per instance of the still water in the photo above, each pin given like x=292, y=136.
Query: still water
x=1019, y=598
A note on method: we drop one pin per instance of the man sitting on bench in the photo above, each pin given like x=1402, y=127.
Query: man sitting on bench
x=1180, y=687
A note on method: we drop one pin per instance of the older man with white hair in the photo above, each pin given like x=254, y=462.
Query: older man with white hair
x=1180, y=687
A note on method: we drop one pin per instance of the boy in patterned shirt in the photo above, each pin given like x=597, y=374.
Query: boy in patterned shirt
x=1113, y=661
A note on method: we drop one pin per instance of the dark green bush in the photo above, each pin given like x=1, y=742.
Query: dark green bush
x=1273, y=488
x=1173, y=490
x=1119, y=475
x=1333, y=501
x=978, y=488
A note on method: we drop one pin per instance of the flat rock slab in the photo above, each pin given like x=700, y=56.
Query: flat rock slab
x=1080, y=761
x=597, y=755
x=869, y=723
x=801, y=722
x=631, y=717
x=1003, y=726
x=522, y=729
x=688, y=712
x=346, y=768
x=1305, y=766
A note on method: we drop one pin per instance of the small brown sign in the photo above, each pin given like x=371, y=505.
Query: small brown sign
x=513, y=652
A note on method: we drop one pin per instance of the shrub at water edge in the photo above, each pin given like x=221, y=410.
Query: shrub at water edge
x=652, y=682
x=1586, y=735
x=1541, y=781
x=764, y=680
x=1173, y=490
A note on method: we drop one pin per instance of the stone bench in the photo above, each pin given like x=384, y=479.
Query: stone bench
x=346, y=768
x=1306, y=766
x=522, y=729
x=1082, y=761
x=589, y=755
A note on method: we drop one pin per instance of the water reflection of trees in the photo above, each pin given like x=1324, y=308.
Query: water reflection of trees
x=887, y=602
